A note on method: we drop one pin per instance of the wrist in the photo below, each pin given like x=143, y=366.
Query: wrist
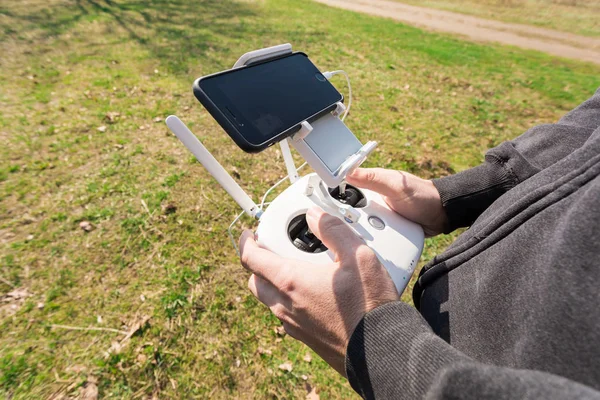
x=437, y=220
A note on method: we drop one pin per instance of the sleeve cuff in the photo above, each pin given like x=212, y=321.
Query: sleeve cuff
x=393, y=354
x=467, y=194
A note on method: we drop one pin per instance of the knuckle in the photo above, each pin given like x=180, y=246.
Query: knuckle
x=371, y=175
x=279, y=311
x=290, y=330
x=287, y=284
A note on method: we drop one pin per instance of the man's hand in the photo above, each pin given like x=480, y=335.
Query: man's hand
x=414, y=198
x=320, y=304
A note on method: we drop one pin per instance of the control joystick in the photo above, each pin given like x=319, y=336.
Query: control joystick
x=302, y=237
x=352, y=196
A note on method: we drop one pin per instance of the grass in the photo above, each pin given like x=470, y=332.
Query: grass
x=575, y=16
x=85, y=85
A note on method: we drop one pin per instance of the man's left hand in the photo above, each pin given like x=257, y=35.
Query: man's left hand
x=320, y=304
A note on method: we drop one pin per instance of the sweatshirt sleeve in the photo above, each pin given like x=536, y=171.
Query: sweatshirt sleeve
x=393, y=354
x=467, y=194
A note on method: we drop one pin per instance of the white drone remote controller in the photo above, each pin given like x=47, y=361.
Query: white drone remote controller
x=333, y=151
x=396, y=241
x=282, y=227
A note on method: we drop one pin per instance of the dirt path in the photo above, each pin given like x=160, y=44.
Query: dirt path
x=478, y=29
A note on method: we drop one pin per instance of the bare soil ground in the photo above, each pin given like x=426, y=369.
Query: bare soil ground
x=478, y=29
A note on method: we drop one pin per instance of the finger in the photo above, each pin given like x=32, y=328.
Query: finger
x=261, y=262
x=335, y=234
x=380, y=180
x=265, y=291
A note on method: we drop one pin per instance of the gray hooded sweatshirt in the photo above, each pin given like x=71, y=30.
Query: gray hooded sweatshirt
x=511, y=310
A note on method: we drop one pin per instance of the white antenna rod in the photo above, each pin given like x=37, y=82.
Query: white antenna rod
x=212, y=165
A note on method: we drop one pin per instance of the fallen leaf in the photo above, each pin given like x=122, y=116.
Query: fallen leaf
x=86, y=226
x=17, y=294
x=280, y=330
x=312, y=393
x=101, y=129
x=307, y=358
x=262, y=350
x=286, y=366
x=158, y=119
x=136, y=326
x=238, y=363
x=112, y=117
x=304, y=377
x=115, y=347
x=90, y=389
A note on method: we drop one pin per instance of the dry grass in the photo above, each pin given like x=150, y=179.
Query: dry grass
x=83, y=82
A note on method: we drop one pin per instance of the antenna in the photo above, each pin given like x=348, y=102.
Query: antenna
x=212, y=165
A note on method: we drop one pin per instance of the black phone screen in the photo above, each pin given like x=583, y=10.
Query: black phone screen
x=267, y=99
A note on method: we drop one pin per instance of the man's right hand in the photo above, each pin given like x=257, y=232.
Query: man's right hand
x=413, y=198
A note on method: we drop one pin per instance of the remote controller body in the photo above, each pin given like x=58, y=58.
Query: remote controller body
x=397, y=242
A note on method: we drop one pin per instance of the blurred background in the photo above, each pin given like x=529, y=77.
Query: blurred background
x=117, y=278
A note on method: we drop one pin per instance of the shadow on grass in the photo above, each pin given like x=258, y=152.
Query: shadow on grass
x=174, y=31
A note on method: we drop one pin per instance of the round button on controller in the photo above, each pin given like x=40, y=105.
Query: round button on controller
x=376, y=223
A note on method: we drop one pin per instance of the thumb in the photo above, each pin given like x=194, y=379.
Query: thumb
x=336, y=235
x=380, y=180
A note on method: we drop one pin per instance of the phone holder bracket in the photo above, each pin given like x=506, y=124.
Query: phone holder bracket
x=317, y=141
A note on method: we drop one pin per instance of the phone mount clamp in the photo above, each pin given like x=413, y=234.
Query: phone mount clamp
x=317, y=142
x=333, y=151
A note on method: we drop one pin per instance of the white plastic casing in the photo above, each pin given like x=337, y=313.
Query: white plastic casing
x=330, y=148
x=398, y=245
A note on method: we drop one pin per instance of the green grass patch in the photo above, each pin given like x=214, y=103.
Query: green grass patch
x=81, y=94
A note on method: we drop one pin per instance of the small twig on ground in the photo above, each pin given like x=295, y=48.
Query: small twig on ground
x=146, y=207
x=125, y=247
x=7, y=282
x=91, y=328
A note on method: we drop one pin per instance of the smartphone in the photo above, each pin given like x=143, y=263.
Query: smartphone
x=261, y=104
